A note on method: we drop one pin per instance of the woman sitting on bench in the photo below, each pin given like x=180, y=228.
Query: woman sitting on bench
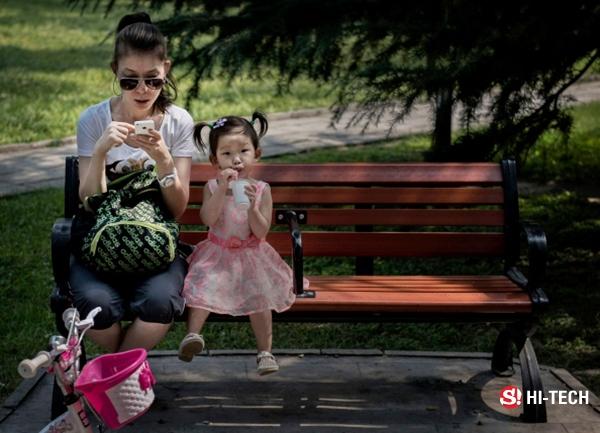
x=108, y=147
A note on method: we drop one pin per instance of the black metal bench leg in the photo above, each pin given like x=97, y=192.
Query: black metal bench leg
x=532, y=383
x=502, y=358
x=502, y=365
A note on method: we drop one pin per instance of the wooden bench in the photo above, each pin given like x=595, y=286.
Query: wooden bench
x=367, y=211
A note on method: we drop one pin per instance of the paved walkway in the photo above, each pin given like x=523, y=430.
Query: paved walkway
x=31, y=169
x=328, y=392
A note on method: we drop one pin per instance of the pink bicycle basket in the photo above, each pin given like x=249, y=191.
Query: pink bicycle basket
x=118, y=386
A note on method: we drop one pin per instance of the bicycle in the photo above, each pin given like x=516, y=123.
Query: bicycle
x=116, y=388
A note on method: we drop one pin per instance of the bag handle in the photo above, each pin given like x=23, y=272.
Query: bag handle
x=126, y=181
x=124, y=186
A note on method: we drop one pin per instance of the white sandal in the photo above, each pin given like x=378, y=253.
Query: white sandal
x=266, y=363
x=191, y=345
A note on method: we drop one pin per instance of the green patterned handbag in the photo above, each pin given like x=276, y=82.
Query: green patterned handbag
x=134, y=232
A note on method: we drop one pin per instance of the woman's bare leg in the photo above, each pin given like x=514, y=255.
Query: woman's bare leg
x=144, y=334
x=109, y=339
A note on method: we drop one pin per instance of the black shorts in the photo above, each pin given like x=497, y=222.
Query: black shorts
x=156, y=298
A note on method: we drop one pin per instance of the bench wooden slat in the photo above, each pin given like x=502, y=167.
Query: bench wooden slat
x=418, y=217
x=402, y=244
x=196, y=195
x=377, y=195
x=363, y=173
x=383, y=244
x=484, y=300
x=344, y=195
x=406, y=283
x=407, y=302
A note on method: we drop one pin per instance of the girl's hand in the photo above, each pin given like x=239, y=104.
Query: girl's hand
x=226, y=176
x=114, y=135
x=251, y=191
x=153, y=144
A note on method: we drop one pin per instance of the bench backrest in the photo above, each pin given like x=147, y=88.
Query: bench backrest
x=411, y=209
x=372, y=209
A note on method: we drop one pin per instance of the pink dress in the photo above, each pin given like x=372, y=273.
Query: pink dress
x=233, y=272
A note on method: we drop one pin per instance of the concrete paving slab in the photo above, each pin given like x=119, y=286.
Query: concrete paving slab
x=325, y=393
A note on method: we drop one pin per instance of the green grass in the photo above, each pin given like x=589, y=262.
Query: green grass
x=404, y=149
x=26, y=278
x=574, y=160
x=54, y=65
x=570, y=335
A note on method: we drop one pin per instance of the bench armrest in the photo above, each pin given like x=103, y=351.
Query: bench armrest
x=537, y=254
x=291, y=218
x=61, y=254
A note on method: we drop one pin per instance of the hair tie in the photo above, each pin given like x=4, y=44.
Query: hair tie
x=218, y=123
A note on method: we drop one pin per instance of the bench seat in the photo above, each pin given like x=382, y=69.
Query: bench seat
x=424, y=294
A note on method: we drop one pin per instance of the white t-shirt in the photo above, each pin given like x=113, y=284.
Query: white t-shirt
x=176, y=129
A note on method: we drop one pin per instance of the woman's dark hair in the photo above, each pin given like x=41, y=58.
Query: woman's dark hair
x=137, y=34
x=230, y=125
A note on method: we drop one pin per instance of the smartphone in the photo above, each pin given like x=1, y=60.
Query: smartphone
x=143, y=126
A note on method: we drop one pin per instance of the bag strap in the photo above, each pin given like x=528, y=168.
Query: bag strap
x=93, y=202
x=127, y=181
x=125, y=186
x=132, y=198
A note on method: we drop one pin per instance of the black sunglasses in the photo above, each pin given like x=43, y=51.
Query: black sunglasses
x=132, y=83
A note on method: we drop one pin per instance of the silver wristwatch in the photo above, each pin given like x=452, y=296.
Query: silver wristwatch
x=168, y=180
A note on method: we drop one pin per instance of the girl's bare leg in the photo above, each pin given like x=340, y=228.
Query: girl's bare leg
x=196, y=319
x=193, y=344
x=262, y=325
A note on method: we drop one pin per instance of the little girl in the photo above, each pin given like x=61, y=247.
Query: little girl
x=235, y=271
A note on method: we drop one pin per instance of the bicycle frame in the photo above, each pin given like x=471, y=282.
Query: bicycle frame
x=63, y=361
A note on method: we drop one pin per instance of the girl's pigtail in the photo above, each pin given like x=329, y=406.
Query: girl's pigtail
x=264, y=125
x=200, y=144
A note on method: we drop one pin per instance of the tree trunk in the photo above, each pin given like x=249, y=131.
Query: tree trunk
x=442, y=132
